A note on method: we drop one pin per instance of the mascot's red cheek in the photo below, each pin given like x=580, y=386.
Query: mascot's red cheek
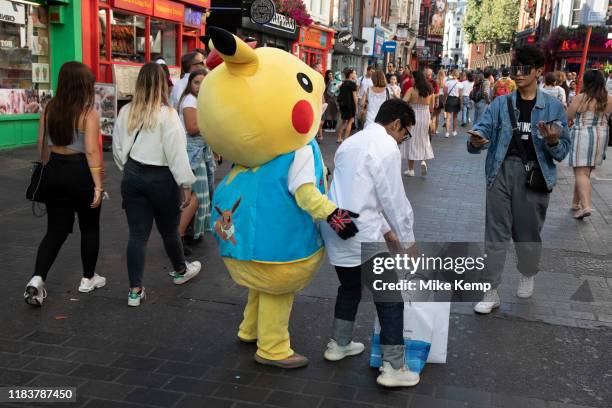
x=302, y=116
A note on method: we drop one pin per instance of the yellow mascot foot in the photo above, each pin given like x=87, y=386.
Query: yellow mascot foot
x=294, y=361
x=247, y=341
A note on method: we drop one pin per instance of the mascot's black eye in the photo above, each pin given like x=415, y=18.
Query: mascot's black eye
x=305, y=82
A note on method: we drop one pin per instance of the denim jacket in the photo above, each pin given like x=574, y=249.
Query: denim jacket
x=495, y=125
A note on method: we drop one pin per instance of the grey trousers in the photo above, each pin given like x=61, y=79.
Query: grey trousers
x=513, y=212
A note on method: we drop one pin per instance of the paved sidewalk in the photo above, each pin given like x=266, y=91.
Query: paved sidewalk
x=179, y=349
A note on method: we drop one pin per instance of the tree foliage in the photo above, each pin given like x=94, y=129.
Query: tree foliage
x=491, y=21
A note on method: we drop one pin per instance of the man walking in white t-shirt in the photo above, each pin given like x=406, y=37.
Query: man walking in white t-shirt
x=368, y=180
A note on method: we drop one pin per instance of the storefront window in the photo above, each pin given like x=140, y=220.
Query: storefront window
x=163, y=40
x=25, y=74
x=127, y=37
x=102, y=30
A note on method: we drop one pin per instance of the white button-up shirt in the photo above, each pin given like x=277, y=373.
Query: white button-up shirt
x=368, y=180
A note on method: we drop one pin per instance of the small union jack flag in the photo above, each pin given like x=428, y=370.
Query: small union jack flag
x=339, y=220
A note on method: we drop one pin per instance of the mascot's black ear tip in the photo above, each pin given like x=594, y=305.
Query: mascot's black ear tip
x=223, y=40
x=205, y=39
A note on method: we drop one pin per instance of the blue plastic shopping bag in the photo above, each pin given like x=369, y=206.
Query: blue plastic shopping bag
x=425, y=335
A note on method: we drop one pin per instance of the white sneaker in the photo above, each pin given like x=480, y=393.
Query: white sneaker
x=35, y=292
x=447, y=135
x=423, y=168
x=409, y=173
x=96, y=281
x=191, y=270
x=335, y=352
x=489, y=301
x=525, y=287
x=454, y=133
x=390, y=377
x=134, y=298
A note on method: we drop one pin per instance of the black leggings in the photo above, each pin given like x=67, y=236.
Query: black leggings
x=68, y=188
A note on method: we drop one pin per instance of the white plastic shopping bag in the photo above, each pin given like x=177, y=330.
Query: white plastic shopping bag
x=425, y=335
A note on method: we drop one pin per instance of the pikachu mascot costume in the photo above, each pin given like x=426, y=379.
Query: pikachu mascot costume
x=261, y=109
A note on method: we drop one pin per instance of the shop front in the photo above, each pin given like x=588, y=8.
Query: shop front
x=351, y=56
x=373, y=48
x=35, y=40
x=126, y=34
x=232, y=15
x=314, y=45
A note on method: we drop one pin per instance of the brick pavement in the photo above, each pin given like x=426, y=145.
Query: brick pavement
x=179, y=348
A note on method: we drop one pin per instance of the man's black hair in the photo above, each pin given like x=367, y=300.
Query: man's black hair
x=470, y=76
x=505, y=72
x=348, y=72
x=395, y=109
x=529, y=55
x=187, y=60
x=371, y=67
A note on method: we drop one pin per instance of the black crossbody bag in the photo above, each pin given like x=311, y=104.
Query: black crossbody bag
x=34, y=189
x=535, y=178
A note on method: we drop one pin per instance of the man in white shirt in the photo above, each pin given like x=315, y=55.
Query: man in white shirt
x=368, y=180
x=189, y=62
x=363, y=84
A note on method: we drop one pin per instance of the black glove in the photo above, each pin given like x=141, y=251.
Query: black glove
x=340, y=221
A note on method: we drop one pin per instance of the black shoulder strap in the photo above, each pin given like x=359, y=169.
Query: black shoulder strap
x=515, y=130
x=135, y=138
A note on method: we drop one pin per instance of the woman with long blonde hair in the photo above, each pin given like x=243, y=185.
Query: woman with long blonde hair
x=149, y=146
x=590, y=111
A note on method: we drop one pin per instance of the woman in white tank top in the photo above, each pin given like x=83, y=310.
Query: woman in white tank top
x=375, y=96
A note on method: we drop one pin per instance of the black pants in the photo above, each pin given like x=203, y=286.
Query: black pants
x=389, y=306
x=151, y=193
x=68, y=189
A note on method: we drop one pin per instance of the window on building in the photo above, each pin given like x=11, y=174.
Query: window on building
x=25, y=73
x=576, y=7
x=127, y=37
x=102, y=30
x=163, y=40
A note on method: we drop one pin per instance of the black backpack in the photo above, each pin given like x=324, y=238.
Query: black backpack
x=477, y=93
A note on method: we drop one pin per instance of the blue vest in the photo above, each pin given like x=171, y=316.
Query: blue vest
x=256, y=218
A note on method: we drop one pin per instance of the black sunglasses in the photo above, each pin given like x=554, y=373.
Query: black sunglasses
x=520, y=70
x=201, y=63
x=407, y=135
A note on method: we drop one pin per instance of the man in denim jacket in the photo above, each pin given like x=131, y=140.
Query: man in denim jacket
x=514, y=210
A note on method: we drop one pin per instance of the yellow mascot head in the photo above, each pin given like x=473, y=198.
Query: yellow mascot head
x=258, y=104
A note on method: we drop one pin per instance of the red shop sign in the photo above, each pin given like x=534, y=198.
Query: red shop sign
x=138, y=6
x=169, y=10
x=199, y=3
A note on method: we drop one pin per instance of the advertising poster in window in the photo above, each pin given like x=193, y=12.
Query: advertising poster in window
x=22, y=101
x=125, y=79
x=40, y=73
x=435, y=31
x=106, y=105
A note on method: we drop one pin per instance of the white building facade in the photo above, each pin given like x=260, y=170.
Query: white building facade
x=456, y=50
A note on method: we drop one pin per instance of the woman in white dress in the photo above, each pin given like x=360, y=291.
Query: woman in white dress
x=375, y=96
x=421, y=98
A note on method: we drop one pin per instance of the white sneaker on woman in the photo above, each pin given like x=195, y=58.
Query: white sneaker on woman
x=96, y=281
x=35, y=292
x=409, y=173
x=525, y=287
x=423, y=168
x=336, y=352
x=191, y=270
x=134, y=298
x=489, y=301
x=402, y=377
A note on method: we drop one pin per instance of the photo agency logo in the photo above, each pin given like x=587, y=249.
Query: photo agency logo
x=428, y=271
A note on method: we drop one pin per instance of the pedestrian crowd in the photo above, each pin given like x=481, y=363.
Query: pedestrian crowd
x=526, y=120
